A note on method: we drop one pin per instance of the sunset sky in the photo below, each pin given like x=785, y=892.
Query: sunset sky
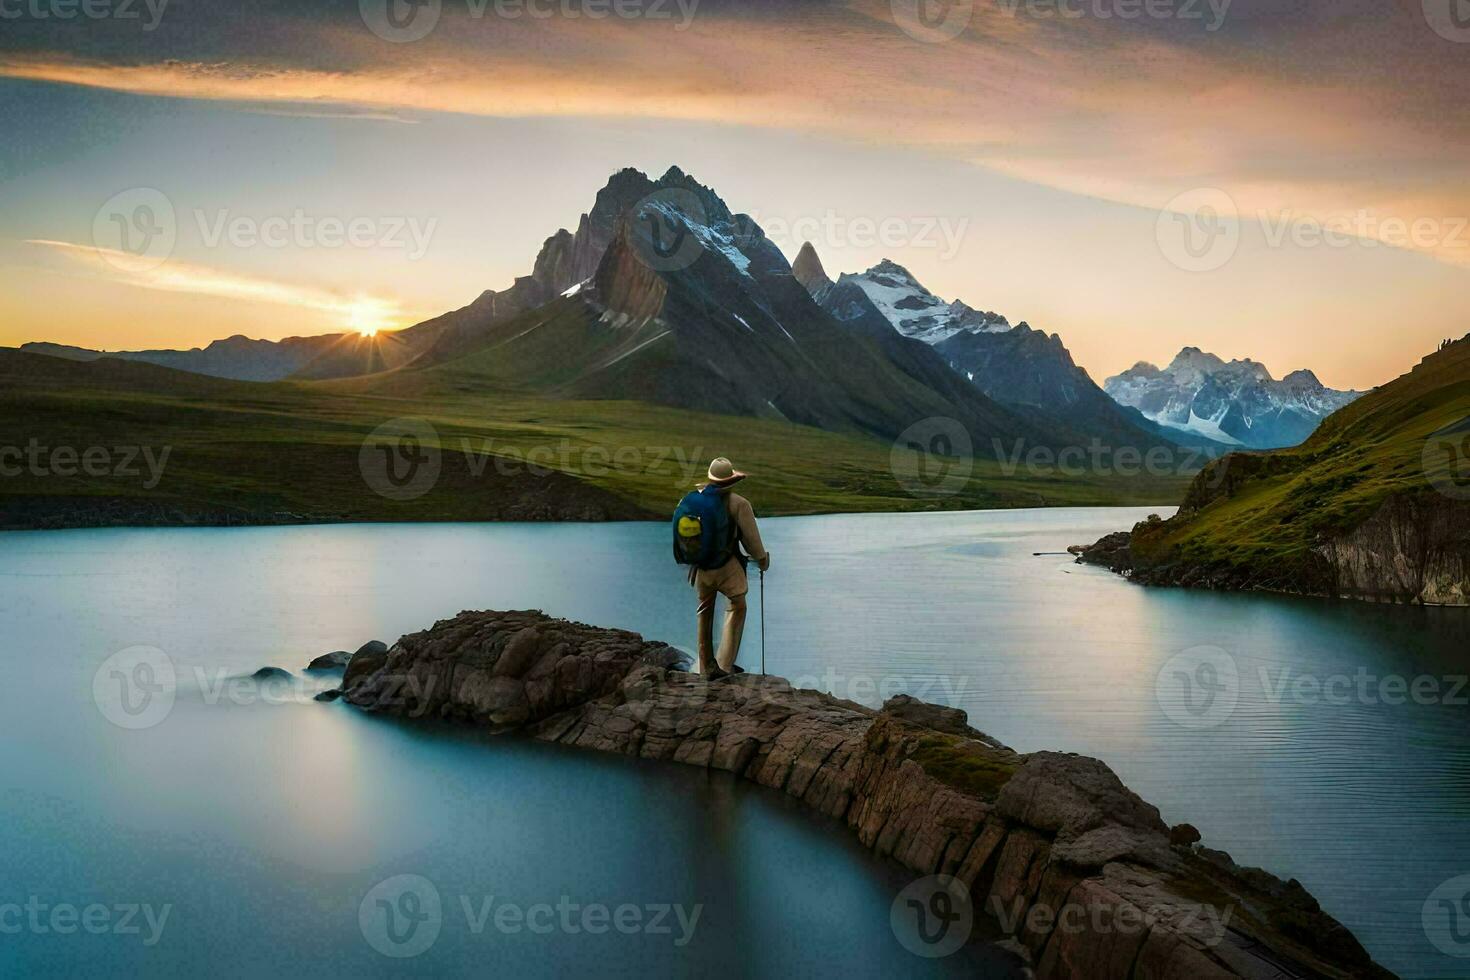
x=1021, y=165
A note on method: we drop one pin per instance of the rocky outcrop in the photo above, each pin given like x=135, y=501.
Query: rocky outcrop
x=1414, y=549
x=808, y=270
x=1080, y=870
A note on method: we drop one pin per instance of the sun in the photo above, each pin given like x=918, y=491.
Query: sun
x=366, y=316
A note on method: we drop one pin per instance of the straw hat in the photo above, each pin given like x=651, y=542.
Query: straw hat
x=722, y=473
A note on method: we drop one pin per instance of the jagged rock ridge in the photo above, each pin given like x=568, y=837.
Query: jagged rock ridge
x=914, y=781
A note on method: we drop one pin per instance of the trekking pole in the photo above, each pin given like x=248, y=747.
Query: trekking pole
x=763, y=622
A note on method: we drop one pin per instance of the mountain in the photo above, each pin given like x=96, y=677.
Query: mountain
x=1028, y=371
x=808, y=269
x=689, y=305
x=1374, y=505
x=237, y=358
x=914, y=311
x=1237, y=403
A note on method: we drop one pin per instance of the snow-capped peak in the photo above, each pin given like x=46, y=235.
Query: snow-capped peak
x=916, y=312
x=1231, y=401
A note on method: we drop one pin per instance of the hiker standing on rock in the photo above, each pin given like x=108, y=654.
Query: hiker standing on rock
x=711, y=524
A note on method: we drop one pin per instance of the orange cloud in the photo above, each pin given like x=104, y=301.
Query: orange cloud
x=1084, y=105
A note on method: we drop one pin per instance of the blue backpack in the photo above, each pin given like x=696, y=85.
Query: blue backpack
x=703, y=534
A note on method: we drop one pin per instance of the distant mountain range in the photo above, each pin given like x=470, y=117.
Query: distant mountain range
x=1237, y=403
x=662, y=294
x=1375, y=505
x=1026, y=370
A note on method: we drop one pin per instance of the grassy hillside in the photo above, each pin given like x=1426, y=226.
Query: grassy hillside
x=292, y=448
x=1263, y=513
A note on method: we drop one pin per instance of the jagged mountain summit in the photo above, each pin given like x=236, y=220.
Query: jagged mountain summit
x=1024, y=369
x=664, y=295
x=913, y=310
x=1236, y=402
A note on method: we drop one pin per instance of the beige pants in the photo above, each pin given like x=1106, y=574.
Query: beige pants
x=727, y=580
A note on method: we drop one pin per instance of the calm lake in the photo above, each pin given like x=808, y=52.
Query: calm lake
x=1331, y=743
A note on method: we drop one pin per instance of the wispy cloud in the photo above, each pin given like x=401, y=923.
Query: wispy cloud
x=1326, y=118
x=362, y=313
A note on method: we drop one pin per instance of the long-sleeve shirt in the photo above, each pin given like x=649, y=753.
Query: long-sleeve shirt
x=749, y=533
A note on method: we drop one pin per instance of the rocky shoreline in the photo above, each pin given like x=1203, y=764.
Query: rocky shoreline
x=1083, y=873
x=1413, y=550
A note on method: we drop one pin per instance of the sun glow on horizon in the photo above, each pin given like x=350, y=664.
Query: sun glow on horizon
x=366, y=316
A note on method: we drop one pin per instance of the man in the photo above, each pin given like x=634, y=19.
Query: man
x=729, y=579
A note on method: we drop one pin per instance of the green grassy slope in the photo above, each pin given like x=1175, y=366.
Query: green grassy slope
x=1263, y=513
x=293, y=448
